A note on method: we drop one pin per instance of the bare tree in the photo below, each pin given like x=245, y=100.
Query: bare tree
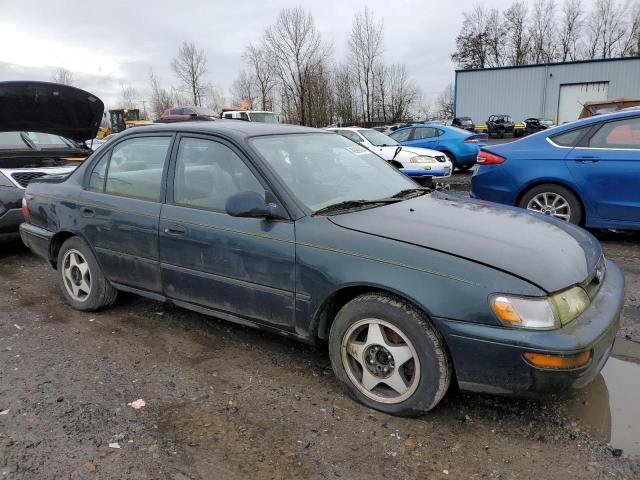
x=471, y=43
x=128, y=96
x=631, y=42
x=402, y=93
x=494, y=36
x=63, y=76
x=161, y=98
x=571, y=25
x=298, y=52
x=543, y=31
x=606, y=29
x=212, y=97
x=445, y=102
x=345, y=104
x=365, y=49
x=244, y=89
x=515, y=24
x=189, y=66
x=263, y=70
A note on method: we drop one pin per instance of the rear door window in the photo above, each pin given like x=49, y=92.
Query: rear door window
x=571, y=138
x=136, y=167
x=623, y=134
x=424, y=132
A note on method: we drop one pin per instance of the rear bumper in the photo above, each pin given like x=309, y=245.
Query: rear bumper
x=490, y=359
x=36, y=239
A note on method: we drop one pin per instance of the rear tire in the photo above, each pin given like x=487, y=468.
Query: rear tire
x=388, y=355
x=553, y=200
x=83, y=284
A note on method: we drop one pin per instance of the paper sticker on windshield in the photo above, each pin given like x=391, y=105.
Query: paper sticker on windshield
x=357, y=150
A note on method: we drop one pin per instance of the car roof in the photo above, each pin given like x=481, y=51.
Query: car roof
x=236, y=129
x=353, y=129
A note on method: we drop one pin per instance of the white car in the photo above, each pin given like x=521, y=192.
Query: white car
x=413, y=161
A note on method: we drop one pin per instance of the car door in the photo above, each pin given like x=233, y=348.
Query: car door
x=241, y=266
x=119, y=209
x=606, y=165
x=425, y=137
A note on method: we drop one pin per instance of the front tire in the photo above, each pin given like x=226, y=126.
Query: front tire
x=83, y=284
x=388, y=355
x=553, y=200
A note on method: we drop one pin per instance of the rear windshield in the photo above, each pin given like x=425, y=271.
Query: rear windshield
x=33, y=141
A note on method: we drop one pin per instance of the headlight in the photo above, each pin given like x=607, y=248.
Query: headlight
x=570, y=303
x=422, y=159
x=544, y=313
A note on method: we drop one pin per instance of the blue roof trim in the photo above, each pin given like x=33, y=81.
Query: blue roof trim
x=538, y=65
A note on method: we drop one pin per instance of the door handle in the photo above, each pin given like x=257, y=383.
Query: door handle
x=173, y=229
x=587, y=159
x=87, y=212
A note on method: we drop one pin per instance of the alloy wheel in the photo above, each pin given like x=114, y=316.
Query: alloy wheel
x=76, y=275
x=380, y=361
x=551, y=204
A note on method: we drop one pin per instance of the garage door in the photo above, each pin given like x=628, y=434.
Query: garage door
x=573, y=96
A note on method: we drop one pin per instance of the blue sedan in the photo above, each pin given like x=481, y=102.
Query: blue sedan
x=586, y=172
x=459, y=146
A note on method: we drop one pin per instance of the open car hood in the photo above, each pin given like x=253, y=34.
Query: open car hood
x=49, y=108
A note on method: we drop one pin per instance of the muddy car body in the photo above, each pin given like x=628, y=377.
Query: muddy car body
x=409, y=287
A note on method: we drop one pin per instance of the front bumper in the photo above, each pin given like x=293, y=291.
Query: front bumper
x=490, y=358
x=433, y=171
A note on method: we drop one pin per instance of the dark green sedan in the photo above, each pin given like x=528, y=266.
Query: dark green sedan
x=305, y=233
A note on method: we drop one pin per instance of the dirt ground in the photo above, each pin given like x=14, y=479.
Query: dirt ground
x=228, y=402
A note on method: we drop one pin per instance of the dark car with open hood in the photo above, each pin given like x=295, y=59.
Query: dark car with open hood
x=298, y=231
x=43, y=127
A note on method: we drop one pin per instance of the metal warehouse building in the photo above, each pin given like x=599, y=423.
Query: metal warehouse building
x=553, y=91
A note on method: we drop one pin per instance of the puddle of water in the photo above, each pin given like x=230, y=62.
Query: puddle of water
x=609, y=408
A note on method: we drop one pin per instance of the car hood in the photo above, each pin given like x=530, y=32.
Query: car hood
x=49, y=108
x=546, y=252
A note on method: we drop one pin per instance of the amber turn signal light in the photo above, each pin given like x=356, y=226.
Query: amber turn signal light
x=542, y=360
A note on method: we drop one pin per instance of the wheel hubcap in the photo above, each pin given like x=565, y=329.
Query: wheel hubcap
x=551, y=204
x=76, y=275
x=380, y=361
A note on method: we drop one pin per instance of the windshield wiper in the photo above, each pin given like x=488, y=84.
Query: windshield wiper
x=411, y=192
x=351, y=204
x=25, y=138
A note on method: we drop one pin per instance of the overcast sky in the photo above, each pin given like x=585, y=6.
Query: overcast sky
x=107, y=43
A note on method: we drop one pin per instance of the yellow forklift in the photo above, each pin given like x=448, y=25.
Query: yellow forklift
x=121, y=119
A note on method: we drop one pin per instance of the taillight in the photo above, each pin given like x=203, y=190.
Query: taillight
x=488, y=158
x=476, y=139
x=25, y=209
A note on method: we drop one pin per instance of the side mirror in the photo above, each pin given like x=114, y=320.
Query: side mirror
x=252, y=204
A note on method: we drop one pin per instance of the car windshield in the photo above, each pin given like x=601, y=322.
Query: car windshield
x=466, y=121
x=378, y=139
x=322, y=169
x=33, y=141
x=264, y=117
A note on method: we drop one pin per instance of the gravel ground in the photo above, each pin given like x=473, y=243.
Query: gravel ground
x=224, y=401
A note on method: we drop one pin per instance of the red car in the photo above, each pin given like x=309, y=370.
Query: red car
x=182, y=114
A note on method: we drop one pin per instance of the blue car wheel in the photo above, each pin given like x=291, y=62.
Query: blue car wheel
x=553, y=200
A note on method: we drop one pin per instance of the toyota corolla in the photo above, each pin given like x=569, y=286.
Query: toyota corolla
x=287, y=228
